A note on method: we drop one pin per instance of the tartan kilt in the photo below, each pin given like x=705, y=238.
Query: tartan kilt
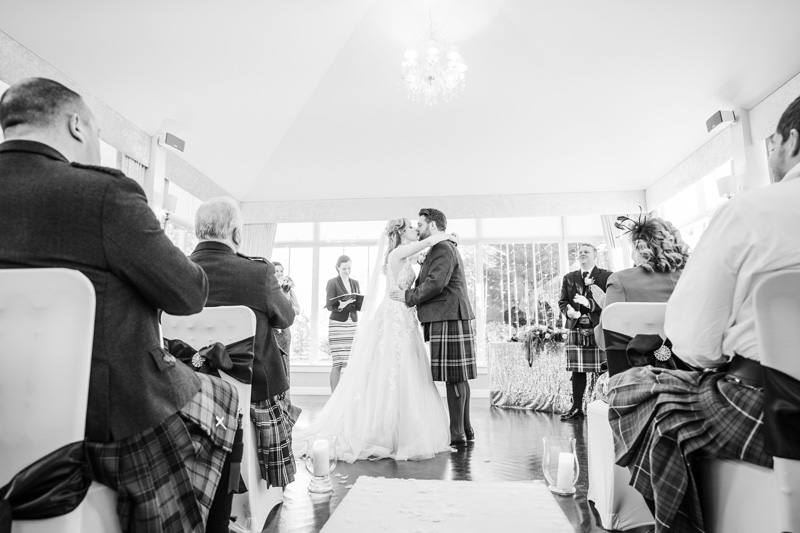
x=166, y=477
x=581, y=358
x=273, y=420
x=453, y=351
x=663, y=419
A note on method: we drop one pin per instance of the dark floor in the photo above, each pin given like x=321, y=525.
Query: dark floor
x=507, y=447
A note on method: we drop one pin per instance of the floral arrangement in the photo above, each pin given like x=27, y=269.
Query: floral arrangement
x=422, y=256
x=540, y=335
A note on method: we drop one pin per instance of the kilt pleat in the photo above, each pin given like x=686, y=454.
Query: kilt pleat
x=274, y=419
x=663, y=419
x=340, y=337
x=166, y=477
x=581, y=358
x=452, y=345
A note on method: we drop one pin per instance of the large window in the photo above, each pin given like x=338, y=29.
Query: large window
x=510, y=262
x=179, y=226
x=691, y=209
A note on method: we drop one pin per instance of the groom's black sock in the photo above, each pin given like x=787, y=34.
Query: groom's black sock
x=578, y=388
x=467, y=394
x=455, y=408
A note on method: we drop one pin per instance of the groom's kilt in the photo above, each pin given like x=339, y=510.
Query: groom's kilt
x=581, y=358
x=452, y=350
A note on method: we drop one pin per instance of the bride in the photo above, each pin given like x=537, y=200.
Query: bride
x=386, y=404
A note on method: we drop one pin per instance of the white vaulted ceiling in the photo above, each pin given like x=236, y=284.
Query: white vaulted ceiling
x=292, y=100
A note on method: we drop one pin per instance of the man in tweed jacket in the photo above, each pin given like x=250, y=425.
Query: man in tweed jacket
x=151, y=422
x=443, y=308
x=236, y=279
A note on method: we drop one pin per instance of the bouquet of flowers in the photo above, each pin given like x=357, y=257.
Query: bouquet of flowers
x=286, y=284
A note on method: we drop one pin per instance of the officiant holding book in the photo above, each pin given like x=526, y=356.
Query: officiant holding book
x=343, y=302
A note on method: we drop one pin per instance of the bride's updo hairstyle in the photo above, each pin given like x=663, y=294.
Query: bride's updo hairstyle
x=394, y=229
x=657, y=241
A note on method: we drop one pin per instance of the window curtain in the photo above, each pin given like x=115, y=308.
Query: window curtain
x=257, y=239
x=618, y=245
x=131, y=168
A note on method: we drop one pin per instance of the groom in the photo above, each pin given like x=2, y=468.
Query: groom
x=440, y=294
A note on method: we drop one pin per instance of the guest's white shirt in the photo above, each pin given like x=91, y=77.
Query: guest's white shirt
x=710, y=316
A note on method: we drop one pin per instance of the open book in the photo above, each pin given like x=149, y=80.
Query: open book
x=359, y=298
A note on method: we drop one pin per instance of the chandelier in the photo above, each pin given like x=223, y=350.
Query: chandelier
x=426, y=76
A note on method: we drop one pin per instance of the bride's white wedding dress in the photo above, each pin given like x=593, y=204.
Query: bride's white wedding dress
x=386, y=404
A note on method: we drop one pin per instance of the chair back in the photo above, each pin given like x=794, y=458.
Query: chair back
x=777, y=302
x=631, y=319
x=46, y=330
x=229, y=324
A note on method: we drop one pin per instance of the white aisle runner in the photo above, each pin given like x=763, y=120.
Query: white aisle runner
x=426, y=506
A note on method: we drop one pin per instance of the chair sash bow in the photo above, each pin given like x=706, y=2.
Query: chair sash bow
x=52, y=486
x=235, y=359
x=623, y=351
x=781, y=414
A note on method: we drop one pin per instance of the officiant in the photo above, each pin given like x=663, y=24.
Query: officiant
x=344, y=316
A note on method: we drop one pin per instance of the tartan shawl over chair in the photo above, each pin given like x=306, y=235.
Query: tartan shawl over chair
x=229, y=324
x=46, y=330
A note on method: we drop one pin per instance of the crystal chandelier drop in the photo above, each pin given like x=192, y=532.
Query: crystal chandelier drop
x=426, y=77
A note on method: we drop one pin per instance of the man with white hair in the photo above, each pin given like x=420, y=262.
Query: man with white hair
x=236, y=279
x=156, y=432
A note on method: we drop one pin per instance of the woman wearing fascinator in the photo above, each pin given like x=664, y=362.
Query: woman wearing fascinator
x=659, y=256
x=386, y=404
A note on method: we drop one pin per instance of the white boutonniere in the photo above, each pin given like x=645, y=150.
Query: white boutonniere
x=422, y=256
x=588, y=282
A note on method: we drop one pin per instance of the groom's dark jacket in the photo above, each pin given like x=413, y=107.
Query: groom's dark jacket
x=440, y=292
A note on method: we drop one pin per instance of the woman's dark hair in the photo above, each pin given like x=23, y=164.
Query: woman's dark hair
x=342, y=259
x=657, y=241
x=790, y=120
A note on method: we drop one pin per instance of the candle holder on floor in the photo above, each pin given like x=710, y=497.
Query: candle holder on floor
x=560, y=464
x=320, y=459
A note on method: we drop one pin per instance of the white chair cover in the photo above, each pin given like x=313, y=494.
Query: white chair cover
x=619, y=505
x=777, y=301
x=229, y=324
x=46, y=330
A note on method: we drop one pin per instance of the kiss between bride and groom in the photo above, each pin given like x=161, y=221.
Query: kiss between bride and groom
x=387, y=404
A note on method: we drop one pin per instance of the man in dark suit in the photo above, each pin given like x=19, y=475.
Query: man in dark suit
x=579, y=290
x=236, y=279
x=443, y=308
x=154, y=427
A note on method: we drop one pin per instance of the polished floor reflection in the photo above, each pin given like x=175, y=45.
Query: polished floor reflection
x=508, y=447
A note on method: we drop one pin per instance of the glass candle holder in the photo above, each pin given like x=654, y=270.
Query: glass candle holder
x=560, y=464
x=320, y=459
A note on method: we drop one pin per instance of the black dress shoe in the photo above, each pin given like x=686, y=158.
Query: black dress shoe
x=458, y=440
x=572, y=414
x=470, y=433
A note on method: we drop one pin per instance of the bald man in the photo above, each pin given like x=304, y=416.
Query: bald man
x=157, y=432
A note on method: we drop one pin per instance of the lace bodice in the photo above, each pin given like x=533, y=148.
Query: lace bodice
x=404, y=279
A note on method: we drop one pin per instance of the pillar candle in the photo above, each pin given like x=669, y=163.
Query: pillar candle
x=566, y=471
x=321, y=458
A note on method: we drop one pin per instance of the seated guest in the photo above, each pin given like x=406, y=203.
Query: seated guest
x=659, y=255
x=157, y=433
x=235, y=279
x=665, y=420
